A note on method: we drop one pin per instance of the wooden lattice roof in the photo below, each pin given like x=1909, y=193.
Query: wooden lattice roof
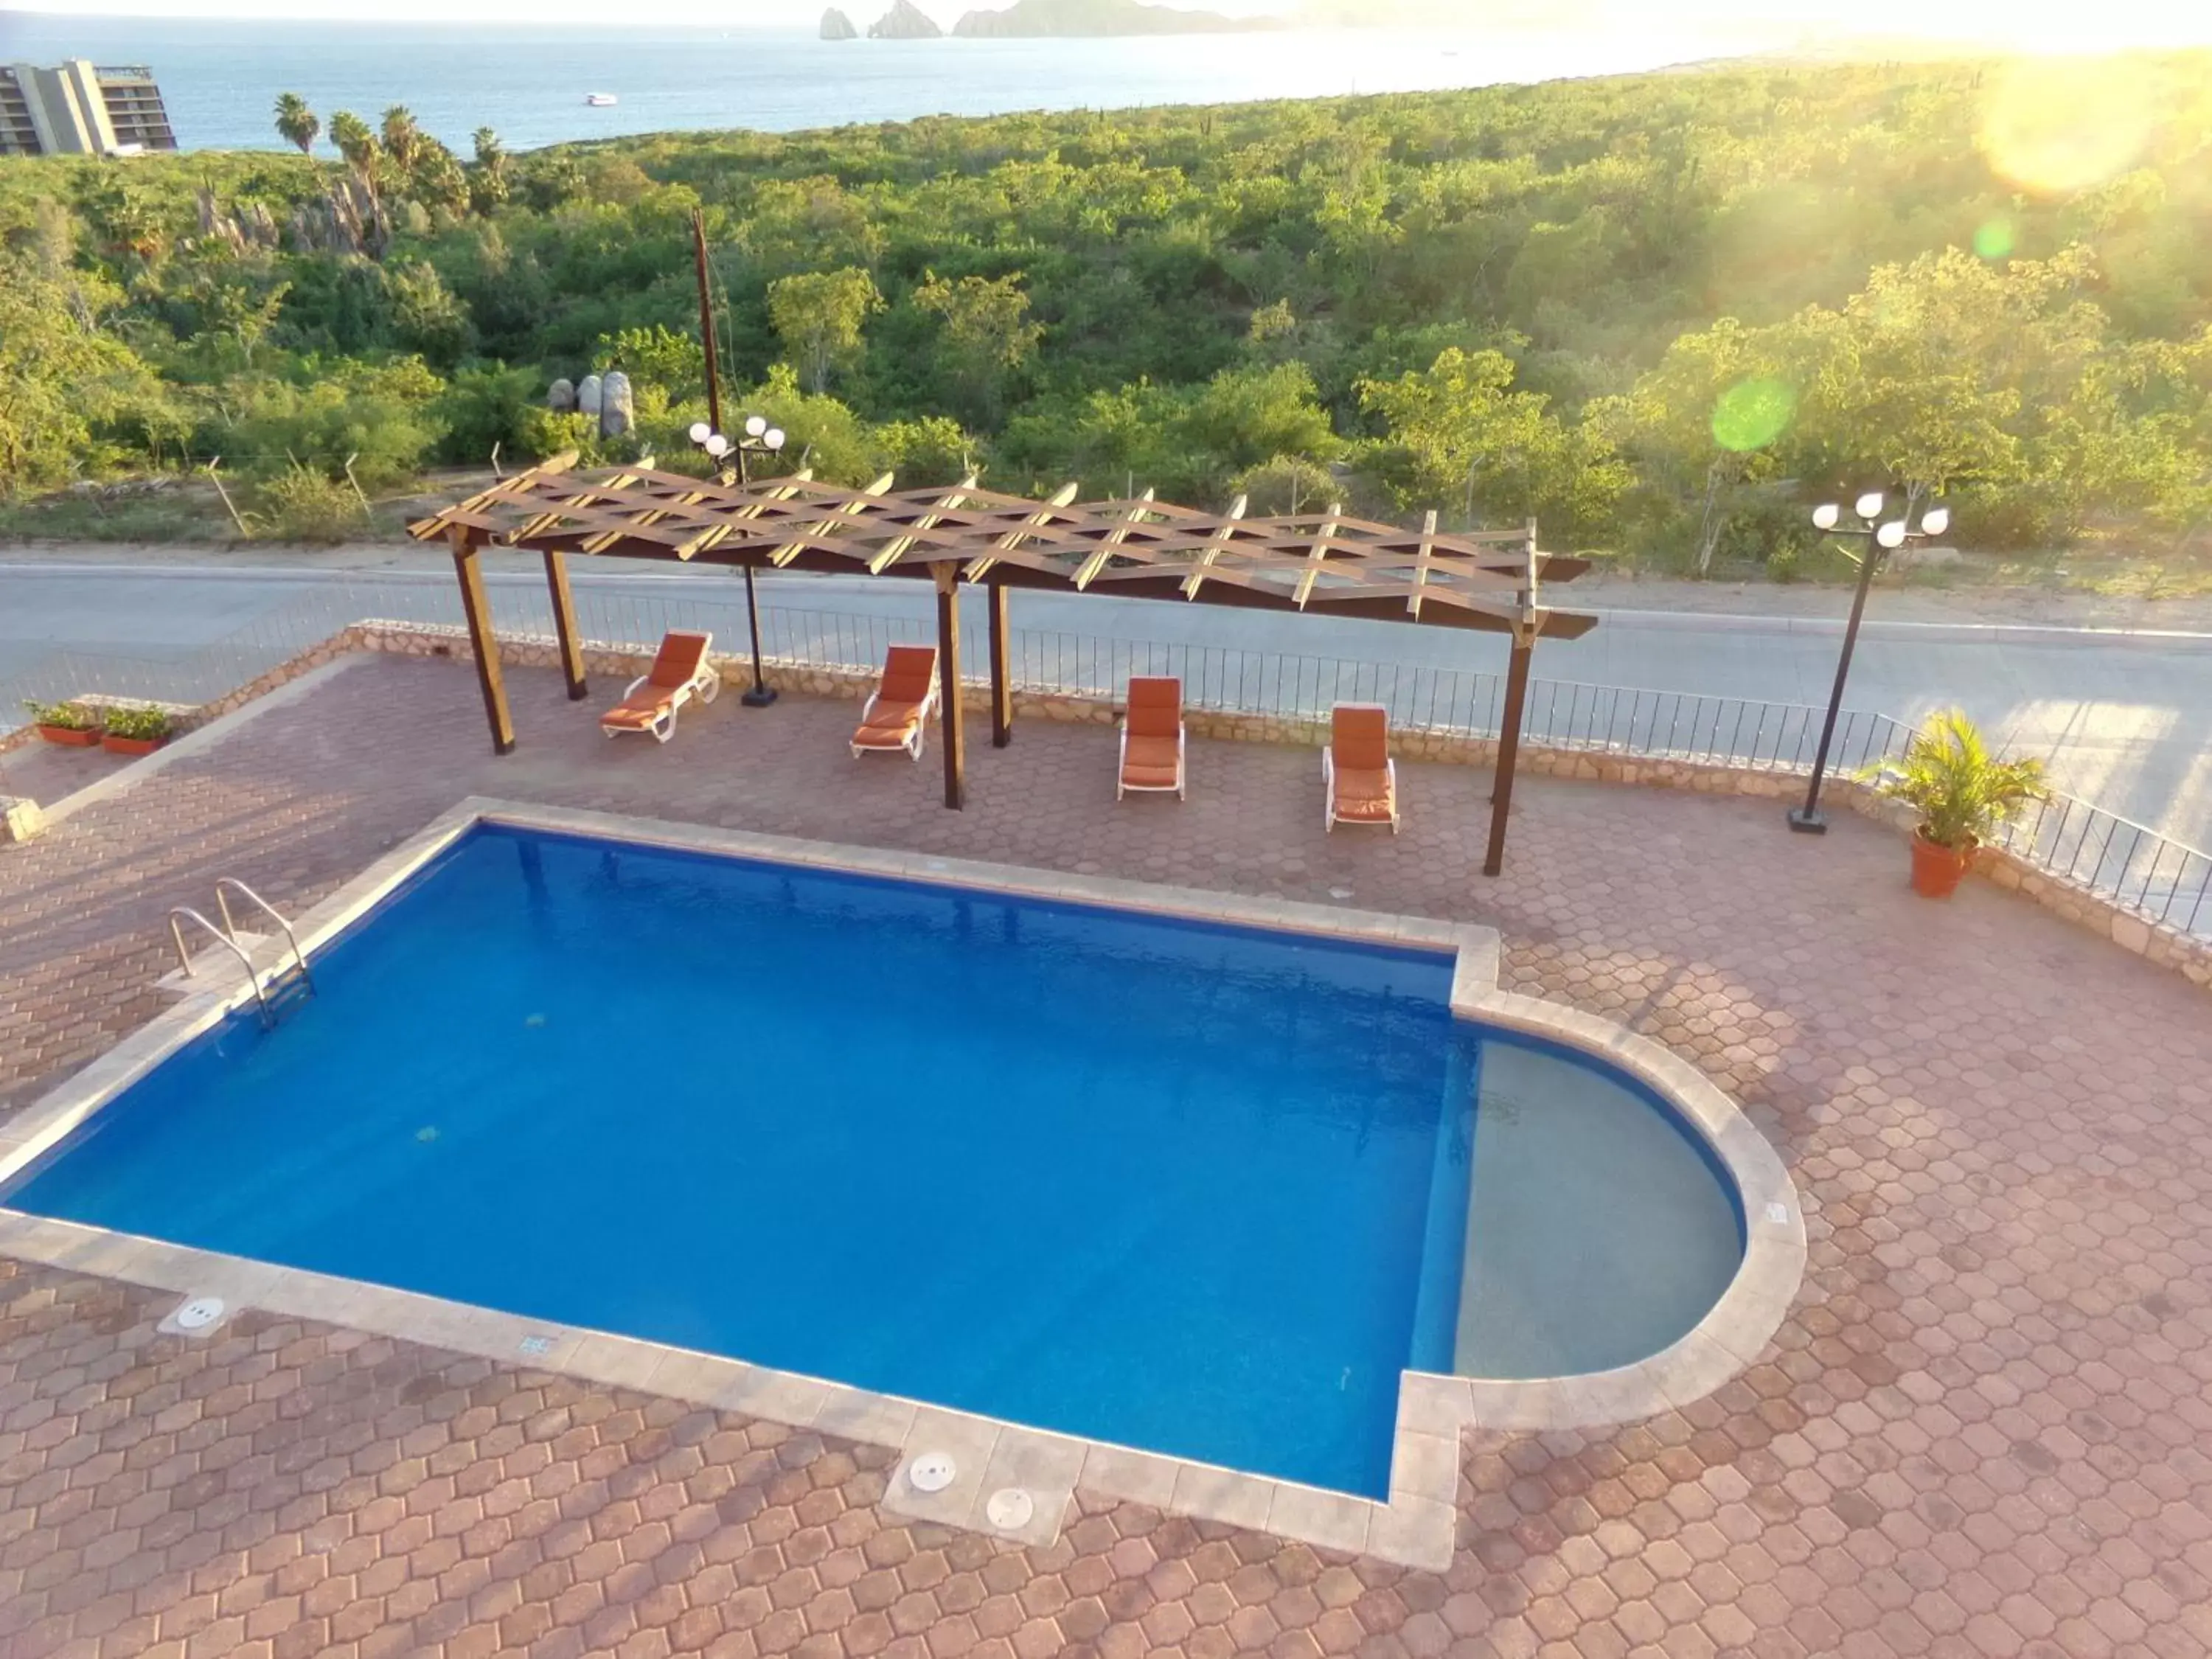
x=1140, y=549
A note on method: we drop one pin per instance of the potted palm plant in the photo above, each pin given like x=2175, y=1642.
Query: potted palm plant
x=1963, y=793
x=68, y=723
x=135, y=731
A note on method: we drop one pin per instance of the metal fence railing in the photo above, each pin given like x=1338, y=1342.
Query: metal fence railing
x=2156, y=876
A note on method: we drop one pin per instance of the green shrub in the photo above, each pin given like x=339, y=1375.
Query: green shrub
x=301, y=505
x=490, y=406
x=140, y=723
x=382, y=416
x=66, y=716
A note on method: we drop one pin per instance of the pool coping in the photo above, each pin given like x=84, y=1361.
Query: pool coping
x=1416, y=1527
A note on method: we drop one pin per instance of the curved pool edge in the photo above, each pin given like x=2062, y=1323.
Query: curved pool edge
x=1416, y=1525
x=1733, y=1333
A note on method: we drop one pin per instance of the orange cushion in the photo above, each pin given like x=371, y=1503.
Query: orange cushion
x=679, y=658
x=1363, y=796
x=1155, y=707
x=1151, y=763
x=1359, y=736
x=638, y=710
x=894, y=718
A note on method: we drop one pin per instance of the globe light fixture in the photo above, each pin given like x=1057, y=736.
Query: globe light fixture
x=1824, y=516
x=758, y=438
x=1881, y=539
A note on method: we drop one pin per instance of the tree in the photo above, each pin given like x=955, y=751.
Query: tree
x=1710, y=416
x=803, y=224
x=435, y=176
x=62, y=372
x=357, y=143
x=987, y=331
x=654, y=356
x=1458, y=432
x=401, y=137
x=818, y=316
x=487, y=184
x=295, y=122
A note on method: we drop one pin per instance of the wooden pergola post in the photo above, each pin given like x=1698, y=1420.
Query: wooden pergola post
x=1002, y=678
x=483, y=642
x=947, y=574
x=564, y=623
x=1509, y=748
x=1516, y=700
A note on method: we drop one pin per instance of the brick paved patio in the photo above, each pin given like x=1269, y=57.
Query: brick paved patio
x=1977, y=1433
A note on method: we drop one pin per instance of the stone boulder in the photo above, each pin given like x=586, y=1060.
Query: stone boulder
x=618, y=414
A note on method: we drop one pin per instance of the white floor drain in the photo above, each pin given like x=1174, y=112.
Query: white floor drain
x=198, y=1314
x=931, y=1471
x=1009, y=1507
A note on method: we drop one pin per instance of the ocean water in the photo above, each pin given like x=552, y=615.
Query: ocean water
x=219, y=77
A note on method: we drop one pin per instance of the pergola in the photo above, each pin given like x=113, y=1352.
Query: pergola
x=1322, y=562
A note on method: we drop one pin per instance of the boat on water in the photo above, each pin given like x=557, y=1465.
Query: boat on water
x=599, y=99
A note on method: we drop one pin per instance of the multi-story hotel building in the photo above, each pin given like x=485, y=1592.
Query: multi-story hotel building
x=81, y=109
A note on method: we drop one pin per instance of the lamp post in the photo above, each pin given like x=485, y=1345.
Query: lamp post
x=1881, y=539
x=757, y=437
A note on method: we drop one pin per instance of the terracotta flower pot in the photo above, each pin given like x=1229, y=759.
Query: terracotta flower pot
x=68, y=737
x=1936, y=870
x=116, y=745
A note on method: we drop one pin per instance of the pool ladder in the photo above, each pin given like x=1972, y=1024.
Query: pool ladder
x=285, y=989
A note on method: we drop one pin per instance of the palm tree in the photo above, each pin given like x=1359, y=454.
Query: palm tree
x=295, y=122
x=401, y=136
x=356, y=143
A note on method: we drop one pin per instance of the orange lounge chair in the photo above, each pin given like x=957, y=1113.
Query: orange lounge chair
x=1151, y=738
x=680, y=672
x=1362, y=778
x=902, y=703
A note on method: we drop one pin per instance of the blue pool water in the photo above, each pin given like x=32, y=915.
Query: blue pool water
x=1163, y=1184
x=1193, y=1188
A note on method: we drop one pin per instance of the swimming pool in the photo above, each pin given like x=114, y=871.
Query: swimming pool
x=1198, y=1189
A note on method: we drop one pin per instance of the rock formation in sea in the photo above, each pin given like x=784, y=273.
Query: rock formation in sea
x=904, y=21
x=1101, y=17
x=835, y=25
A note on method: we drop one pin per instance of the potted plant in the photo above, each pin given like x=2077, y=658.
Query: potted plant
x=135, y=731
x=1962, y=792
x=69, y=723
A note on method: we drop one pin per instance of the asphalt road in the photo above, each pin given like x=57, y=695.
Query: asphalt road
x=2125, y=720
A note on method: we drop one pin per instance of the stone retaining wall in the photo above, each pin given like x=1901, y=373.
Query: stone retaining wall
x=2131, y=929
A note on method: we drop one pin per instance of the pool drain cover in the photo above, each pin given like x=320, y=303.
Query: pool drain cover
x=200, y=1313
x=931, y=1471
x=1009, y=1507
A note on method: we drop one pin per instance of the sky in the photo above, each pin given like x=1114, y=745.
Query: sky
x=2035, y=25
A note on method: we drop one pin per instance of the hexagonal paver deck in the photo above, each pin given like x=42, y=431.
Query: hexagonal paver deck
x=1979, y=1432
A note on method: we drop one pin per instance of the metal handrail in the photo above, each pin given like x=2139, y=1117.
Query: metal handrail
x=223, y=903
x=184, y=956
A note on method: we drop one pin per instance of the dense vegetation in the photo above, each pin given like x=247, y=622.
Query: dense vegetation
x=1658, y=312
